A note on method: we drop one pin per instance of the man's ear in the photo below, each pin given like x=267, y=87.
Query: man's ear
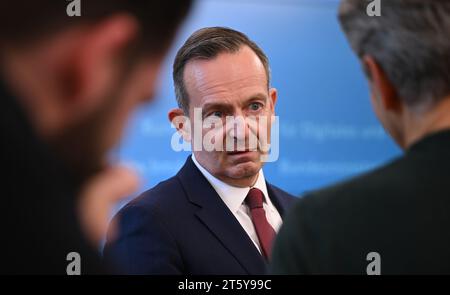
x=273, y=96
x=95, y=63
x=381, y=87
x=181, y=122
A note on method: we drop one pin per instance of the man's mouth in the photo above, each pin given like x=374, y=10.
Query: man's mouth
x=232, y=153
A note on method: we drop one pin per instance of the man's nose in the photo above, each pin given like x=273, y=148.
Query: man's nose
x=238, y=128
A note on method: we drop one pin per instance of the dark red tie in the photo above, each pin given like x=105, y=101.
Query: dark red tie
x=264, y=230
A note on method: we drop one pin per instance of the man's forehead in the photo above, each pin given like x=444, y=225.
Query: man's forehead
x=226, y=70
x=229, y=93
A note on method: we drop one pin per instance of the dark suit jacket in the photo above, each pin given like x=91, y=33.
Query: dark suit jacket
x=401, y=211
x=182, y=226
x=38, y=221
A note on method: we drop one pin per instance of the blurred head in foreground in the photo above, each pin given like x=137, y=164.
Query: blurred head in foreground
x=79, y=78
x=405, y=53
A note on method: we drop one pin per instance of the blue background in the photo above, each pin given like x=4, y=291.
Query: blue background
x=328, y=131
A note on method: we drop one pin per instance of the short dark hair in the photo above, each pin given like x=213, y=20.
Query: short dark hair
x=23, y=22
x=410, y=41
x=206, y=44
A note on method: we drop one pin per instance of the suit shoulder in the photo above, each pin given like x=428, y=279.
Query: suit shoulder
x=356, y=201
x=332, y=230
x=368, y=188
x=154, y=207
x=335, y=215
x=165, y=194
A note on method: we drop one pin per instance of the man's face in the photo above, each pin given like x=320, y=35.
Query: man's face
x=232, y=84
x=85, y=145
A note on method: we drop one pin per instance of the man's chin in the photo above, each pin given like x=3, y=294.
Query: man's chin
x=244, y=169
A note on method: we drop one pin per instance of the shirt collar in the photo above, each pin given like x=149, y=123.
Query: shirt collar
x=233, y=196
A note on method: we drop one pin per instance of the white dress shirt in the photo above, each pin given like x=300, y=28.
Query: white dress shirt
x=234, y=198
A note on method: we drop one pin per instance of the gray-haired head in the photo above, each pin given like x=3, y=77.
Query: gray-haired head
x=206, y=44
x=410, y=41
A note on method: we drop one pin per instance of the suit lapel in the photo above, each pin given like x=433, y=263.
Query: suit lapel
x=216, y=216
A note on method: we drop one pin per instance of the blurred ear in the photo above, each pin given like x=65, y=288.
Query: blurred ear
x=273, y=96
x=95, y=64
x=181, y=122
x=381, y=87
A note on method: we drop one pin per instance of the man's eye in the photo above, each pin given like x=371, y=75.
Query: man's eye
x=216, y=114
x=256, y=106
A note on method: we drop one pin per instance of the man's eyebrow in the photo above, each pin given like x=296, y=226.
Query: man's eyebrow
x=258, y=96
x=218, y=105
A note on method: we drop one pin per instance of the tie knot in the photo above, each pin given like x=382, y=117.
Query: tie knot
x=254, y=199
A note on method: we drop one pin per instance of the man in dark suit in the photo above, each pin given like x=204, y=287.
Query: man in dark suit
x=218, y=215
x=67, y=87
x=395, y=219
